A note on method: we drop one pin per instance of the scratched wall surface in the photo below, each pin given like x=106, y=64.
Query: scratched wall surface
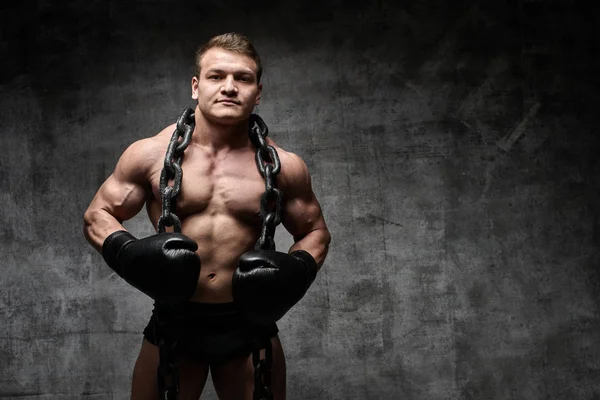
x=453, y=148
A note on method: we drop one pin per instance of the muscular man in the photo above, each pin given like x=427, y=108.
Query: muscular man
x=219, y=203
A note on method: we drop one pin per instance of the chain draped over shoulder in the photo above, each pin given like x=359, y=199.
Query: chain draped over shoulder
x=271, y=204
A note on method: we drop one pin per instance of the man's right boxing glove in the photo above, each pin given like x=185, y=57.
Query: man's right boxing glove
x=164, y=266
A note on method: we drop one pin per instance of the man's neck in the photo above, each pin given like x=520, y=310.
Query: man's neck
x=218, y=137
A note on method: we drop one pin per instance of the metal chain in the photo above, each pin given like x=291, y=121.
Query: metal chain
x=167, y=373
x=271, y=204
x=262, y=371
x=271, y=201
x=172, y=170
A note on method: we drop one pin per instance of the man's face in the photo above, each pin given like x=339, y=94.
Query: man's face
x=227, y=89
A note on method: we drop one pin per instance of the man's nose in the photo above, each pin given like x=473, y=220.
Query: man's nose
x=229, y=86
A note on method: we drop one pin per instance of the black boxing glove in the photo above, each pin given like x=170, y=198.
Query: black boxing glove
x=267, y=283
x=163, y=266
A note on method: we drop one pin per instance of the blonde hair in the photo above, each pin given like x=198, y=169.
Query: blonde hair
x=234, y=42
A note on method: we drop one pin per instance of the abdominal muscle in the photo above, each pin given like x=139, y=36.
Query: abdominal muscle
x=221, y=239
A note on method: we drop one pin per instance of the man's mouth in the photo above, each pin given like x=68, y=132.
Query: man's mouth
x=229, y=102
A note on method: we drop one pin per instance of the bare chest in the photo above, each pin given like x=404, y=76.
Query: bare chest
x=226, y=185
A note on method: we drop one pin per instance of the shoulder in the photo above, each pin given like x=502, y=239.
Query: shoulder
x=141, y=156
x=294, y=175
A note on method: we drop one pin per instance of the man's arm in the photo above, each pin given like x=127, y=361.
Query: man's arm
x=282, y=279
x=302, y=216
x=121, y=196
x=163, y=266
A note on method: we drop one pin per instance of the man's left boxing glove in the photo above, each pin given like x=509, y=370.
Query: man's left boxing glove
x=164, y=266
x=267, y=283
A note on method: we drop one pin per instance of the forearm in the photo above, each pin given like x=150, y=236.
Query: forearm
x=316, y=243
x=98, y=224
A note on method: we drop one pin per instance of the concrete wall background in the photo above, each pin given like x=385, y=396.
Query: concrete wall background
x=453, y=148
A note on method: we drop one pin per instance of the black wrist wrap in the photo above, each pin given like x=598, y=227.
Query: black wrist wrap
x=309, y=262
x=112, y=246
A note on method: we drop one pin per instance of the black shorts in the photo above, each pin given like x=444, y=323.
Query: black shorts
x=206, y=332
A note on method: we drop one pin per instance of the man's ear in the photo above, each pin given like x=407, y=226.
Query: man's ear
x=195, y=88
x=257, y=102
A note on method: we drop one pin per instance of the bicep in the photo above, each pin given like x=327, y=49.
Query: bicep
x=301, y=212
x=120, y=198
x=125, y=191
x=302, y=215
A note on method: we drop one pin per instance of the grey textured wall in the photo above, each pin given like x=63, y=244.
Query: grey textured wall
x=453, y=148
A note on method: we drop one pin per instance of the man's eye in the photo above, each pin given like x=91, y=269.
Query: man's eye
x=214, y=77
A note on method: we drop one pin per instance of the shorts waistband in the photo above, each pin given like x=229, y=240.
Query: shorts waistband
x=200, y=310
